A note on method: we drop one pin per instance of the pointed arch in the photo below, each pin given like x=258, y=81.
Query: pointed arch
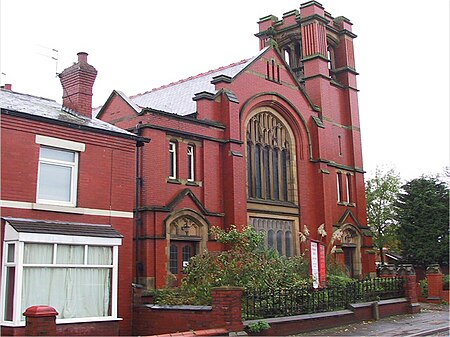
x=351, y=243
x=187, y=225
x=271, y=165
x=288, y=111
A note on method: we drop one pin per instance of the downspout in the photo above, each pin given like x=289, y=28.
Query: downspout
x=137, y=213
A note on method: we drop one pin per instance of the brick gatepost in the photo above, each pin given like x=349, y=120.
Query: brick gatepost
x=227, y=308
x=409, y=274
x=434, y=278
x=40, y=321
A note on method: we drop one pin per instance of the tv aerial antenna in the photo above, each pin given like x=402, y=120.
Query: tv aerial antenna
x=54, y=55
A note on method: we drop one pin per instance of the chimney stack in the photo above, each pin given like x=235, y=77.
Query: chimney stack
x=7, y=87
x=77, y=82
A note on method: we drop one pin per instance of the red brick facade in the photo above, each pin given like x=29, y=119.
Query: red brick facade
x=105, y=188
x=199, y=169
x=319, y=110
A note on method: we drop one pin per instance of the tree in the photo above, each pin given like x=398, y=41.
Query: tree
x=423, y=221
x=381, y=194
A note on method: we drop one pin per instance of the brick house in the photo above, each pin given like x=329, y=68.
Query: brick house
x=273, y=141
x=67, y=200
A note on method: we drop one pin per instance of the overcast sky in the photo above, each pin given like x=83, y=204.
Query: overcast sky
x=402, y=56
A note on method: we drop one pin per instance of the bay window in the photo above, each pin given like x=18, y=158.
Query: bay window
x=77, y=275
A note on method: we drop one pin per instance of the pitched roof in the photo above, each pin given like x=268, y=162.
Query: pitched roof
x=62, y=228
x=39, y=107
x=177, y=97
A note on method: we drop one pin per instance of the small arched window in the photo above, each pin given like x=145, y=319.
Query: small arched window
x=287, y=56
x=191, y=162
x=331, y=60
x=280, y=242
x=270, y=238
x=173, y=259
x=172, y=160
x=288, y=241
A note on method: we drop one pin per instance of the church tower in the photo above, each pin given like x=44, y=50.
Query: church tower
x=318, y=49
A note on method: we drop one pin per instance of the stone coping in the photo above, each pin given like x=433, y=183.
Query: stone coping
x=179, y=307
x=381, y=302
x=301, y=317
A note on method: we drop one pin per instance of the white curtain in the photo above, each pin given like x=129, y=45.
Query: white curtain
x=73, y=292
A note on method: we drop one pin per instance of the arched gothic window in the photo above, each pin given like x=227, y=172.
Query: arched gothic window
x=331, y=60
x=269, y=167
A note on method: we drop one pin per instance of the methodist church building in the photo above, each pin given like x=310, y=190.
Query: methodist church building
x=272, y=141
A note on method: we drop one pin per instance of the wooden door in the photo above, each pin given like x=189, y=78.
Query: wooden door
x=180, y=253
x=349, y=257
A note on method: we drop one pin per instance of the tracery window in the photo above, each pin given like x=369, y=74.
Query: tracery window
x=277, y=232
x=269, y=166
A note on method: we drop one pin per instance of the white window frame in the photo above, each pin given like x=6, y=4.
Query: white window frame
x=339, y=185
x=349, y=186
x=191, y=162
x=19, y=239
x=61, y=145
x=173, y=159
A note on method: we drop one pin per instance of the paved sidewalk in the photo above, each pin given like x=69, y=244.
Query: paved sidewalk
x=433, y=320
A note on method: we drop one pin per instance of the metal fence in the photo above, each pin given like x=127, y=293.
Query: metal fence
x=298, y=301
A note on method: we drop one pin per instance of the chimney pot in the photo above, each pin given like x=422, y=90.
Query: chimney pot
x=77, y=82
x=82, y=57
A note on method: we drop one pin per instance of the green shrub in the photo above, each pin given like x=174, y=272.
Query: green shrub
x=338, y=280
x=446, y=282
x=336, y=274
x=258, y=326
x=175, y=296
x=244, y=263
x=424, y=287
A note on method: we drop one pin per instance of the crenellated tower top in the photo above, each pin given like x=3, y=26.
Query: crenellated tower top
x=312, y=42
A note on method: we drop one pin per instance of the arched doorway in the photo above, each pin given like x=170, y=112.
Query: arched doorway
x=187, y=236
x=351, y=247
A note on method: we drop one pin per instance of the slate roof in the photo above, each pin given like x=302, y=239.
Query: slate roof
x=62, y=228
x=177, y=97
x=49, y=109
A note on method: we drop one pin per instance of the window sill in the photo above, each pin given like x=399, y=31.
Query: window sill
x=347, y=204
x=184, y=182
x=57, y=208
x=272, y=202
x=173, y=181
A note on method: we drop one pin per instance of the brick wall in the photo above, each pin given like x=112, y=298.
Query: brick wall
x=219, y=128
x=106, y=181
x=225, y=312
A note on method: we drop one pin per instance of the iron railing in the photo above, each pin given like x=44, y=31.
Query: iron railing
x=297, y=301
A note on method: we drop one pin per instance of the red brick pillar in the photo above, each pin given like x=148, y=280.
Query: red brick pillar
x=227, y=308
x=40, y=321
x=409, y=274
x=434, y=278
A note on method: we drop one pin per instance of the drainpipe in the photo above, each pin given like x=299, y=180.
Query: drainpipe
x=137, y=213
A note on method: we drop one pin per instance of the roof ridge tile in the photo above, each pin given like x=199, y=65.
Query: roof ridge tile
x=190, y=78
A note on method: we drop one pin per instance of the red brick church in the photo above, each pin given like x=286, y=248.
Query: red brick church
x=273, y=141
